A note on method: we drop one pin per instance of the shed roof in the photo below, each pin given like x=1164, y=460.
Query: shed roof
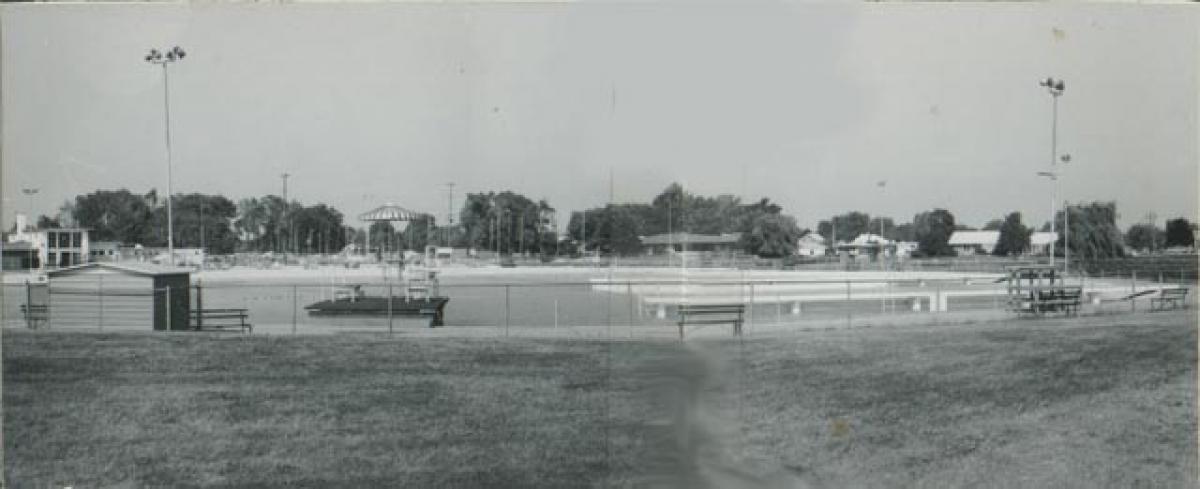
x=812, y=238
x=139, y=269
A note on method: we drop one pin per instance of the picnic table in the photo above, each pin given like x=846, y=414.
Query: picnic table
x=1176, y=297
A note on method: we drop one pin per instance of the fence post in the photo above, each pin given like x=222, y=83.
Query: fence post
x=29, y=305
x=100, y=298
x=506, y=304
x=849, y=313
x=294, y=294
x=751, y=321
x=170, y=317
x=629, y=292
x=389, y=301
x=199, y=306
x=1133, y=290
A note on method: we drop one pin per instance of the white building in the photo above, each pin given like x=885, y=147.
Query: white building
x=967, y=243
x=811, y=244
x=1042, y=243
x=867, y=244
x=54, y=248
x=905, y=249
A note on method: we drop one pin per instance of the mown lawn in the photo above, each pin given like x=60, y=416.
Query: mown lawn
x=1089, y=402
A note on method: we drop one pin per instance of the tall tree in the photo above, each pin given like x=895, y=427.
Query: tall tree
x=1093, y=233
x=772, y=235
x=117, y=215
x=205, y=220
x=507, y=221
x=1180, y=233
x=319, y=229
x=933, y=230
x=1014, y=236
x=1145, y=237
x=844, y=227
x=252, y=224
x=419, y=233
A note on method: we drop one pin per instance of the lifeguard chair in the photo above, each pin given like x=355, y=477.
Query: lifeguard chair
x=1041, y=289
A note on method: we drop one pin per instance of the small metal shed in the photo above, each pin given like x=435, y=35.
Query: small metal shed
x=129, y=293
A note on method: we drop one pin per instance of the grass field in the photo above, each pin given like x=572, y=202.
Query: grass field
x=1104, y=401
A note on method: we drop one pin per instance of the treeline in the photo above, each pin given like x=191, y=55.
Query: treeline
x=617, y=228
x=210, y=221
x=511, y=223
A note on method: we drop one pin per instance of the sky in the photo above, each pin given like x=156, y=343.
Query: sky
x=810, y=105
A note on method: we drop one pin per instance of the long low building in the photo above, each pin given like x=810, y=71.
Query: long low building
x=682, y=242
x=967, y=243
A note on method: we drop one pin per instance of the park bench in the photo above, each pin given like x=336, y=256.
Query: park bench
x=1176, y=297
x=35, y=315
x=221, y=319
x=712, y=314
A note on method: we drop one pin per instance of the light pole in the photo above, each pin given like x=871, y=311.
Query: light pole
x=1055, y=88
x=1053, y=176
x=29, y=192
x=156, y=57
x=1066, y=158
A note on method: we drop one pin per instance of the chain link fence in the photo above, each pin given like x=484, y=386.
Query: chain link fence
x=595, y=308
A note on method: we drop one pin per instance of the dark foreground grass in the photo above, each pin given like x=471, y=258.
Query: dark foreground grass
x=1090, y=402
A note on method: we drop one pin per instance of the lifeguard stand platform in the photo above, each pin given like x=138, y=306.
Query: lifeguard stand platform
x=1041, y=289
